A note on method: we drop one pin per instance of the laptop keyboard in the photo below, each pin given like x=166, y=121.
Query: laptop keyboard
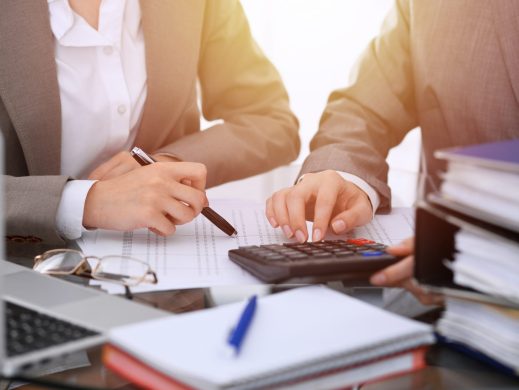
x=29, y=330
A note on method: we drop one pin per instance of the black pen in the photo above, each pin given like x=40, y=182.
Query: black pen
x=144, y=159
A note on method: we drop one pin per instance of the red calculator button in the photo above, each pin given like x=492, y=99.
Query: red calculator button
x=359, y=241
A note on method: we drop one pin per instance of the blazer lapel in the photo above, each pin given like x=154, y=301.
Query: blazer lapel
x=172, y=35
x=506, y=18
x=28, y=82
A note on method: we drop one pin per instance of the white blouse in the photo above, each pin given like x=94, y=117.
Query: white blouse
x=102, y=84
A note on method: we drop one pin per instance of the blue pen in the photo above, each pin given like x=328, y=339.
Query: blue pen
x=237, y=335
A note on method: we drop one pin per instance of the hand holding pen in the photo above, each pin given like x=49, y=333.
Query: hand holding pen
x=152, y=197
x=144, y=159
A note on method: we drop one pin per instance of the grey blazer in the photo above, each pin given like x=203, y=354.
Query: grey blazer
x=187, y=42
x=450, y=67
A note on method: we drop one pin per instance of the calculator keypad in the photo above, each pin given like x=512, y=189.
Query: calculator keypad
x=275, y=262
x=314, y=251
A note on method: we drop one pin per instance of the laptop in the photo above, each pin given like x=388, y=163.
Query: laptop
x=43, y=318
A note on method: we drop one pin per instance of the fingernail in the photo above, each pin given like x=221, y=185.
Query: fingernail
x=339, y=226
x=317, y=235
x=287, y=231
x=378, y=279
x=300, y=236
x=273, y=222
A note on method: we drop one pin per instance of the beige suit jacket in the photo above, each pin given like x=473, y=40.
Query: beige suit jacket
x=450, y=67
x=187, y=41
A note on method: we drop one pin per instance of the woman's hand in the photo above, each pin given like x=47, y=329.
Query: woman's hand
x=324, y=197
x=121, y=163
x=401, y=274
x=154, y=196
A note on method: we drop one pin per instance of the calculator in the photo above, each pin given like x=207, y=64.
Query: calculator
x=321, y=261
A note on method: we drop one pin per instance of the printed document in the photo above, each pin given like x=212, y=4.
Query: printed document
x=196, y=255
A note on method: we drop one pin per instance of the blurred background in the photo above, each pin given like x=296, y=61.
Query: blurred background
x=315, y=45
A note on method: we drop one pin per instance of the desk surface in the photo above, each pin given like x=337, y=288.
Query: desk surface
x=446, y=369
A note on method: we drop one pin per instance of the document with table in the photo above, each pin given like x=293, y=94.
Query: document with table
x=196, y=255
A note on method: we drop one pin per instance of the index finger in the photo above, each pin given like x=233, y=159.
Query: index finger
x=395, y=274
x=405, y=248
x=323, y=209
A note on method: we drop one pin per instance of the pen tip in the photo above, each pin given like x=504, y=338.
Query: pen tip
x=235, y=234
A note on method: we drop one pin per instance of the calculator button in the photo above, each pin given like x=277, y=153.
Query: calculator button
x=292, y=253
x=371, y=253
x=319, y=244
x=359, y=241
x=274, y=257
x=348, y=246
x=321, y=255
x=376, y=246
x=316, y=252
x=344, y=253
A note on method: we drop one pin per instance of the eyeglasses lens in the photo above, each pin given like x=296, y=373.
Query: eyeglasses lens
x=62, y=262
x=121, y=269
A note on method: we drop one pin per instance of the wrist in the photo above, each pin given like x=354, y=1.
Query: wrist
x=91, y=211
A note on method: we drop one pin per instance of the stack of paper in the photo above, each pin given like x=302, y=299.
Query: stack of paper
x=490, y=329
x=311, y=337
x=483, y=181
x=487, y=190
x=481, y=186
x=489, y=264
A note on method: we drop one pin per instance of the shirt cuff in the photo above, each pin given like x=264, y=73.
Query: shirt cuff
x=368, y=190
x=69, y=218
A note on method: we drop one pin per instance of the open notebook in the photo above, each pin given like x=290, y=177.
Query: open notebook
x=302, y=336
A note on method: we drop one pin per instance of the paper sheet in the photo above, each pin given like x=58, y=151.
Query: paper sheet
x=196, y=255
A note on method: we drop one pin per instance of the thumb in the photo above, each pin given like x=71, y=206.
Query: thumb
x=405, y=248
x=396, y=274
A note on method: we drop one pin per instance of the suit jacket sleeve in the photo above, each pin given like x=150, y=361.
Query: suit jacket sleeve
x=363, y=121
x=243, y=89
x=31, y=202
x=31, y=205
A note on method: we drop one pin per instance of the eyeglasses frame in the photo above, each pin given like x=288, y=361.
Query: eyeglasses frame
x=84, y=269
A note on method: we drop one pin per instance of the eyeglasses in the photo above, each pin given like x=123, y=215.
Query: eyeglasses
x=123, y=270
